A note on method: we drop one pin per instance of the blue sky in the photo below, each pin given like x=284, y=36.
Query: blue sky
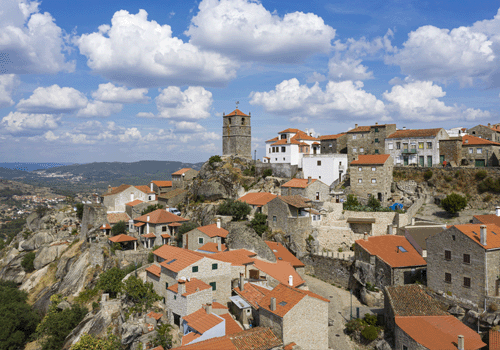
x=128, y=81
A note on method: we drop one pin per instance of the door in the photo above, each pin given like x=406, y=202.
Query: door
x=421, y=160
x=429, y=161
x=480, y=163
x=441, y=159
x=337, y=198
x=405, y=160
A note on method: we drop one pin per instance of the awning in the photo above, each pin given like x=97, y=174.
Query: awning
x=149, y=235
x=361, y=220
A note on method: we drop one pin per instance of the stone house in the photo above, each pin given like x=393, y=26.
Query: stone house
x=330, y=168
x=290, y=145
x=368, y=139
x=331, y=144
x=487, y=132
x=199, y=236
x=283, y=254
x=488, y=218
x=312, y=189
x=258, y=201
x=245, y=302
x=116, y=197
x=480, y=152
x=371, y=175
x=182, y=177
x=464, y=261
x=134, y=209
x=294, y=315
x=415, y=147
x=202, y=325
x=160, y=223
x=392, y=260
x=160, y=187
x=450, y=150
x=237, y=134
x=172, y=198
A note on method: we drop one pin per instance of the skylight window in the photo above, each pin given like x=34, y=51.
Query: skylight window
x=401, y=249
x=171, y=261
x=283, y=303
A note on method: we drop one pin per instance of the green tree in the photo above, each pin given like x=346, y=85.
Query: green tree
x=259, y=223
x=352, y=201
x=238, y=210
x=373, y=203
x=214, y=159
x=151, y=208
x=120, y=227
x=267, y=172
x=428, y=175
x=79, y=210
x=163, y=337
x=18, y=321
x=111, y=281
x=453, y=203
x=27, y=262
x=141, y=294
x=89, y=342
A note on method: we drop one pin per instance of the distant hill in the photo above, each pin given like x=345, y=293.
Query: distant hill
x=30, y=166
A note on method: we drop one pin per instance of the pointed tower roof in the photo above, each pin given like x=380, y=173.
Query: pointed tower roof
x=238, y=113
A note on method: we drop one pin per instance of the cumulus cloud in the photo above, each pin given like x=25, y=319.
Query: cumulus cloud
x=347, y=69
x=188, y=127
x=53, y=99
x=28, y=124
x=79, y=139
x=189, y=105
x=145, y=115
x=50, y=136
x=420, y=100
x=99, y=109
x=130, y=134
x=136, y=52
x=30, y=41
x=8, y=83
x=339, y=99
x=245, y=30
x=117, y=94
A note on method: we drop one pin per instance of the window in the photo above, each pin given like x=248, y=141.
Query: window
x=390, y=145
x=340, y=163
x=200, y=240
x=164, y=228
x=466, y=258
x=360, y=181
x=447, y=277
x=194, y=269
x=242, y=121
x=479, y=150
x=283, y=149
x=429, y=145
x=175, y=297
x=330, y=145
x=405, y=347
x=467, y=282
x=213, y=285
x=447, y=254
x=318, y=162
x=360, y=168
x=215, y=266
x=270, y=150
x=166, y=285
x=317, y=196
x=420, y=145
x=229, y=121
x=376, y=140
x=376, y=129
x=374, y=181
x=354, y=137
x=374, y=169
x=403, y=250
x=361, y=150
x=376, y=151
x=283, y=158
x=274, y=219
x=354, y=150
x=471, y=150
x=398, y=145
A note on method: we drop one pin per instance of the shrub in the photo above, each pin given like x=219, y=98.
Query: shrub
x=27, y=262
x=489, y=185
x=259, y=223
x=86, y=295
x=453, y=203
x=163, y=337
x=428, y=175
x=351, y=201
x=120, y=227
x=370, y=333
x=95, y=305
x=74, y=232
x=354, y=325
x=214, y=159
x=151, y=208
x=141, y=294
x=249, y=171
x=151, y=258
x=238, y=210
x=371, y=287
x=481, y=174
x=373, y=203
x=370, y=319
x=267, y=172
x=87, y=341
x=79, y=210
x=340, y=250
x=115, y=246
x=448, y=178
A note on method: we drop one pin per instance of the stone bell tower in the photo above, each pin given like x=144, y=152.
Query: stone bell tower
x=237, y=134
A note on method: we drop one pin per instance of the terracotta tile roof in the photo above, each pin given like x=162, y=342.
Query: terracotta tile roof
x=469, y=140
x=201, y=321
x=415, y=133
x=494, y=337
x=191, y=286
x=175, y=224
x=176, y=258
x=122, y=238
x=134, y=203
x=219, y=343
x=365, y=159
x=238, y=113
x=273, y=139
x=163, y=183
x=289, y=346
x=212, y=231
x=173, y=193
x=331, y=137
x=286, y=298
x=181, y=171
x=252, y=293
x=212, y=247
x=139, y=224
x=188, y=338
x=316, y=143
x=231, y=325
x=439, y=332
x=298, y=183
x=258, y=338
x=149, y=235
x=258, y=199
x=115, y=190
x=300, y=135
x=238, y=257
x=285, y=142
x=280, y=251
x=289, y=130
x=216, y=305
x=386, y=248
x=145, y=189
x=105, y=227
x=280, y=270
x=165, y=235
x=488, y=219
x=154, y=269
x=473, y=232
x=492, y=127
x=114, y=218
x=411, y=300
x=159, y=347
x=296, y=201
x=160, y=216
x=155, y=315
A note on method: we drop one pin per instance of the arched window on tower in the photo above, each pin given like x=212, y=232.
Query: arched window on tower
x=242, y=121
x=229, y=121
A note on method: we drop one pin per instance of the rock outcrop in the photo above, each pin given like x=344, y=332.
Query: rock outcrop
x=94, y=216
x=48, y=254
x=241, y=236
x=37, y=240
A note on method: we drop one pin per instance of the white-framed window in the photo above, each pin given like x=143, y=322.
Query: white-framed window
x=318, y=163
x=429, y=145
x=275, y=219
x=374, y=181
x=354, y=150
x=374, y=169
x=471, y=150
x=361, y=150
x=283, y=149
x=479, y=151
x=354, y=137
x=390, y=145
x=360, y=181
x=360, y=169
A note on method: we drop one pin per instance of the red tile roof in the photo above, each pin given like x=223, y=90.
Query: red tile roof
x=219, y=343
x=174, y=224
x=488, y=219
x=105, y=227
x=176, y=258
x=188, y=338
x=473, y=232
x=273, y=139
x=149, y=235
x=159, y=347
x=289, y=130
x=289, y=346
x=154, y=269
x=258, y=338
x=172, y=194
x=258, y=199
x=252, y=293
x=115, y=190
x=212, y=247
x=469, y=140
x=155, y=315
x=439, y=332
x=160, y=216
x=367, y=128
x=216, y=305
x=365, y=159
x=213, y=231
x=201, y=321
x=139, y=224
x=163, y=183
x=331, y=137
x=194, y=285
x=286, y=298
x=494, y=337
x=122, y=238
x=298, y=183
x=237, y=257
x=281, y=253
x=134, y=203
x=165, y=235
x=238, y=113
x=144, y=188
x=181, y=171
x=114, y=218
x=231, y=325
x=386, y=248
x=280, y=270
x=415, y=133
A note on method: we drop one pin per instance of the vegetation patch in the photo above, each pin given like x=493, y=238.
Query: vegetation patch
x=238, y=210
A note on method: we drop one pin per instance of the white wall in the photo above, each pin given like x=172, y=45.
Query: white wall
x=329, y=169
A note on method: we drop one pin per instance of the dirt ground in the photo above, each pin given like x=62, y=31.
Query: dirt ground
x=432, y=212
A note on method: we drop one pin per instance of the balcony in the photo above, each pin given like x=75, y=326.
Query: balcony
x=410, y=151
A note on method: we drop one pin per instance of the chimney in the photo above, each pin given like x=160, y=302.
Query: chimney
x=273, y=304
x=110, y=188
x=376, y=123
x=307, y=131
x=355, y=126
x=147, y=218
x=208, y=308
x=308, y=180
x=413, y=221
x=497, y=211
x=483, y=234
x=242, y=282
x=365, y=236
x=404, y=127
x=218, y=222
x=461, y=342
x=151, y=187
x=489, y=125
x=290, y=281
x=219, y=245
x=131, y=197
x=181, y=287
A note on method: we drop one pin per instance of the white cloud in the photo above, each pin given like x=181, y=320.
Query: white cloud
x=347, y=69
x=53, y=99
x=145, y=115
x=245, y=30
x=8, y=83
x=189, y=105
x=117, y=94
x=137, y=52
x=91, y=127
x=99, y=109
x=30, y=41
x=28, y=124
x=301, y=120
x=50, y=136
x=79, y=139
x=188, y=127
x=420, y=100
x=315, y=77
x=129, y=135
x=339, y=99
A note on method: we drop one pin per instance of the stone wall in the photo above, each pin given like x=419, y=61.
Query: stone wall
x=329, y=269
x=367, y=173
x=237, y=136
x=402, y=220
x=369, y=141
x=131, y=256
x=279, y=169
x=382, y=220
x=451, y=150
x=339, y=145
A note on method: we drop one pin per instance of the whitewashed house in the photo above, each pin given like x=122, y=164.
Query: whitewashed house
x=328, y=168
x=290, y=146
